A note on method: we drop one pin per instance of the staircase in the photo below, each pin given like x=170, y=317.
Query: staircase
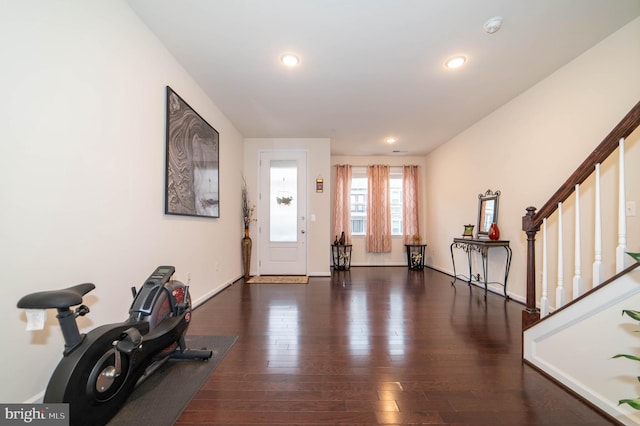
x=572, y=328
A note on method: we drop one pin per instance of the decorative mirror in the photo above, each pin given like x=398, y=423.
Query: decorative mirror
x=487, y=211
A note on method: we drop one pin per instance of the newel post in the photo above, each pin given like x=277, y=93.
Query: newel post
x=531, y=313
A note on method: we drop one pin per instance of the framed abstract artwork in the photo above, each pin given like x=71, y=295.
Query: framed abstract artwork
x=192, y=162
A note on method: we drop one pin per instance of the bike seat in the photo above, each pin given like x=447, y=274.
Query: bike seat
x=59, y=299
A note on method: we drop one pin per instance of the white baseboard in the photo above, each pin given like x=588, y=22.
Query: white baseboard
x=212, y=293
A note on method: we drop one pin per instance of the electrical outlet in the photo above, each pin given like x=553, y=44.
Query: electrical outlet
x=631, y=209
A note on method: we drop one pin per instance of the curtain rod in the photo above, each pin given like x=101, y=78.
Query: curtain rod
x=359, y=165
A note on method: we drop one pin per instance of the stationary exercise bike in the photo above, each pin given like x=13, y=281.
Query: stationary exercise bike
x=100, y=369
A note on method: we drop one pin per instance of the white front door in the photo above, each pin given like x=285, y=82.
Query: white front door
x=282, y=225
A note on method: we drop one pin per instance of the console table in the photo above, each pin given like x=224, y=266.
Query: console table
x=482, y=246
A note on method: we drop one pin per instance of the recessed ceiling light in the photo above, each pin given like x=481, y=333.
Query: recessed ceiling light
x=391, y=140
x=455, y=62
x=289, y=59
x=493, y=25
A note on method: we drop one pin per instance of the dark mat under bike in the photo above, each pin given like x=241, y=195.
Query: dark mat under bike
x=161, y=398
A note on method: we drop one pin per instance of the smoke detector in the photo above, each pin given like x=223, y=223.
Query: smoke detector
x=493, y=25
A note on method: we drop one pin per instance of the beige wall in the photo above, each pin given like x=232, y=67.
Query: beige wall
x=318, y=203
x=397, y=256
x=531, y=145
x=82, y=160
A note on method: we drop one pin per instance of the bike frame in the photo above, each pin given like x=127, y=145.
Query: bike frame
x=100, y=369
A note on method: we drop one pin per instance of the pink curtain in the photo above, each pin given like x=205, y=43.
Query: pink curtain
x=342, y=203
x=411, y=203
x=378, y=238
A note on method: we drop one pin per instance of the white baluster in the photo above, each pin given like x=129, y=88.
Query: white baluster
x=577, y=274
x=598, y=270
x=622, y=217
x=544, y=300
x=560, y=285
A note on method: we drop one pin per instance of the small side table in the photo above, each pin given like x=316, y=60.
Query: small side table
x=341, y=254
x=415, y=255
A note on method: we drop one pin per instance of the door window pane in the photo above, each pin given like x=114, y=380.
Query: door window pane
x=283, y=201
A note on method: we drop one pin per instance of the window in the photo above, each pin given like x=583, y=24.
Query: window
x=395, y=186
x=359, y=200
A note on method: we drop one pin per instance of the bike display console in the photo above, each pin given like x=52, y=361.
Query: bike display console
x=161, y=275
x=150, y=292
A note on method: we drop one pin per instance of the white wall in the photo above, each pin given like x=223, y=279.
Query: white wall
x=318, y=204
x=397, y=256
x=82, y=159
x=531, y=145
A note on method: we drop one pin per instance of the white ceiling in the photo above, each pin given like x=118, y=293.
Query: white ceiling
x=373, y=68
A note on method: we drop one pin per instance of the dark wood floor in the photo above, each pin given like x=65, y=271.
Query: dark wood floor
x=370, y=346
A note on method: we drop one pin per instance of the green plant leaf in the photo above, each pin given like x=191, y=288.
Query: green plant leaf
x=633, y=314
x=632, y=357
x=635, y=403
x=636, y=256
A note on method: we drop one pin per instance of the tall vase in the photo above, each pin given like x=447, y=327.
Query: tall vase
x=246, y=253
x=494, y=232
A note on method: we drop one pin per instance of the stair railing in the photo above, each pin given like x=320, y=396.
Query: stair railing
x=534, y=220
